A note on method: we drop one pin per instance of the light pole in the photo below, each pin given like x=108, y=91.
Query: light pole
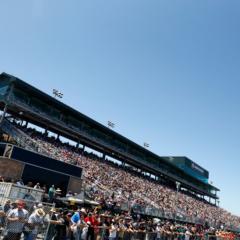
x=146, y=145
x=111, y=124
x=56, y=93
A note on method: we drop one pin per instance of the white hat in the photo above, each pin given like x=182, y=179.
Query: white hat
x=40, y=205
x=40, y=212
x=83, y=210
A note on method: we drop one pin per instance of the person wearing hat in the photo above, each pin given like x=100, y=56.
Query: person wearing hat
x=83, y=225
x=52, y=218
x=58, y=192
x=83, y=211
x=16, y=218
x=92, y=223
x=37, y=186
x=35, y=220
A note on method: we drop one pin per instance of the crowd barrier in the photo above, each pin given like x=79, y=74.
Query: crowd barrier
x=20, y=227
x=143, y=235
x=47, y=230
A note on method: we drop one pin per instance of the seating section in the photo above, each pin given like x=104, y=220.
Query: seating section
x=115, y=185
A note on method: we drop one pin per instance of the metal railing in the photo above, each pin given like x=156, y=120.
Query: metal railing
x=23, y=217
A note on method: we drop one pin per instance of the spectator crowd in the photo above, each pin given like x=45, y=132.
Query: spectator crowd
x=19, y=221
x=112, y=185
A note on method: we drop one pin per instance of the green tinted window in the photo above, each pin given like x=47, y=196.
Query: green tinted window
x=40, y=106
x=21, y=96
x=74, y=122
x=3, y=90
x=55, y=113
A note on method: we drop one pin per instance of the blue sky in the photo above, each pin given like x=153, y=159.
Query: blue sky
x=165, y=72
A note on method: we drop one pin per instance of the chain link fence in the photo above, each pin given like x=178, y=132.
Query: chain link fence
x=28, y=220
x=22, y=214
x=24, y=219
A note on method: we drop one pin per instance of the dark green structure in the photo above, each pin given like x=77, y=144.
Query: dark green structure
x=189, y=167
x=26, y=102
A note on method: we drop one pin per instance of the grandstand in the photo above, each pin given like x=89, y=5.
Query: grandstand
x=168, y=187
x=31, y=105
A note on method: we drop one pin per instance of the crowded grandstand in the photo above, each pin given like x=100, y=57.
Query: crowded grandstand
x=136, y=194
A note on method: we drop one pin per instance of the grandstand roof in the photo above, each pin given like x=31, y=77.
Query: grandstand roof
x=42, y=109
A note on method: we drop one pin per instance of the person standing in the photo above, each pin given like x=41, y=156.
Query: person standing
x=74, y=226
x=158, y=231
x=7, y=206
x=37, y=186
x=92, y=223
x=16, y=218
x=2, y=217
x=113, y=231
x=51, y=193
x=35, y=221
x=62, y=226
x=78, y=226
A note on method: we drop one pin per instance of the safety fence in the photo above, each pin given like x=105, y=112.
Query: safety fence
x=24, y=219
x=143, y=235
x=104, y=233
x=46, y=233
x=31, y=220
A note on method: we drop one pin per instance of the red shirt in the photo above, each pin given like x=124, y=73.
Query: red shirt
x=92, y=220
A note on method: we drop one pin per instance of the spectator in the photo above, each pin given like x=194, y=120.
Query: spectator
x=2, y=179
x=58, y=192
x=113, y=231
x=92, y=223
x=37, y=186
x=7, y=206
x=69, y=194
x=75, y=223
x=20, y=182
x=16, y=218
x=51, y=193
x=35, y=221
x=115, y=186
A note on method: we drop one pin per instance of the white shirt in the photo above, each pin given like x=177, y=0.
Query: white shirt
x=113, y=231
x=16, y=226
x=37, y=221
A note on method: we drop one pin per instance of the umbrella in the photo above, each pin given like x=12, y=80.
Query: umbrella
x=76, y=200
